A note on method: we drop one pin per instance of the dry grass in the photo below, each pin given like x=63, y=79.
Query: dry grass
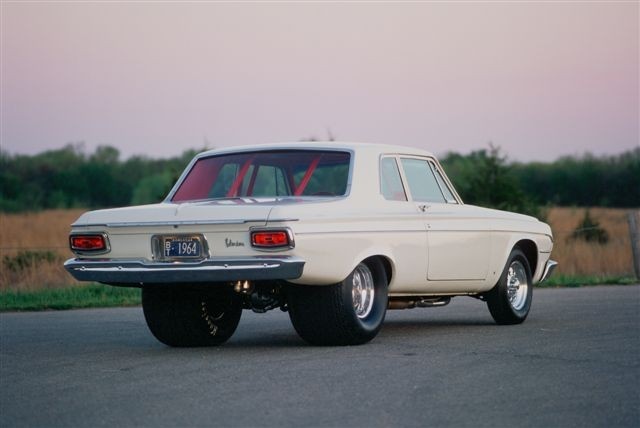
x=577, y=257
x=48, y=231
x=42, y=231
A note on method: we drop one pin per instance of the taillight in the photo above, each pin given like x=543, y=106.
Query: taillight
x=271, y=239
x=91, y=243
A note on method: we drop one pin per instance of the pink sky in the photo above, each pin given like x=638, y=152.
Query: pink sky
x=539, y=79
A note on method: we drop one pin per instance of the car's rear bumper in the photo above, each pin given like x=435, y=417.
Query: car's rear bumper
x=548, y=269
x=138, y=272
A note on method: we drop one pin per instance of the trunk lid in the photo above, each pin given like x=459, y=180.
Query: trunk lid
x=226, y=211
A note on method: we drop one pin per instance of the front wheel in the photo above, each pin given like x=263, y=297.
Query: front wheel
x=348, y=313
x=179, y=316
x=510, y=300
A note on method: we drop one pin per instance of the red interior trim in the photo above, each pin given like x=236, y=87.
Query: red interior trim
x=240, y=178
x=307, y=176
x=252, y=182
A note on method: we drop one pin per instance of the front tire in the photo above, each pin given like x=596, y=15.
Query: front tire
x=348, y=313
x=510, y=300
x=179, y=316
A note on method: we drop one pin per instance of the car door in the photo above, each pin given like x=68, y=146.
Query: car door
x=403, y=229
x=459, y=242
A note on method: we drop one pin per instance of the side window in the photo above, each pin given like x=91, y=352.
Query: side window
x=390, y=181
x=443, y=185
x=422, y=182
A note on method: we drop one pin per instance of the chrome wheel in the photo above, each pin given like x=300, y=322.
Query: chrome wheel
x=509, y=301
x=362, y=291
x=350, y=312
x=517, y=285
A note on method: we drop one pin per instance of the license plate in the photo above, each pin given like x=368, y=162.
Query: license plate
x=181, y=247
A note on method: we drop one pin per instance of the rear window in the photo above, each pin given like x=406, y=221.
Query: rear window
x=267, y=174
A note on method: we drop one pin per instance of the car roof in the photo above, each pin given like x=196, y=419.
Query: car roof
x=320, y=145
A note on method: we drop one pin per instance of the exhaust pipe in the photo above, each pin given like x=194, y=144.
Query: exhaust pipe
x=401, y=304
x=432, y=303
x=243, y=287
x=413, y=302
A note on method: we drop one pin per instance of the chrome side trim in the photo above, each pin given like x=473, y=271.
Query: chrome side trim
x=170, y=223
x=138, y=272
x=343, y=232
x=180, y=223
x=548, y=269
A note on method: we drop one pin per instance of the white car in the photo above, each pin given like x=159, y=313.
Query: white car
x=333, y=233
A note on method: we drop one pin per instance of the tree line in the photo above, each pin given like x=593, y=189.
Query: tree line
x=486, y=177
x=70, y=178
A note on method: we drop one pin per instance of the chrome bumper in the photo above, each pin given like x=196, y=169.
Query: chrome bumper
x=139, y=272
x=548, y=269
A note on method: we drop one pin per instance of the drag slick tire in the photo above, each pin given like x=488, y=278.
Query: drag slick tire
x=184, y=316
x=348, y=313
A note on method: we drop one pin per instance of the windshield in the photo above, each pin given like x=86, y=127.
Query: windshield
x=267, y=174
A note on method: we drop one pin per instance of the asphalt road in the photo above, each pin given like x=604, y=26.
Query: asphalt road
x=574, y=362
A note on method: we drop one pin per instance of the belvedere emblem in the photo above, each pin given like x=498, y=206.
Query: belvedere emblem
x=231, y=243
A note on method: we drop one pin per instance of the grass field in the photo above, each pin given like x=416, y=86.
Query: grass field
x=85, y=296
x=581, y=258
x=44, y=236
x=35, y=234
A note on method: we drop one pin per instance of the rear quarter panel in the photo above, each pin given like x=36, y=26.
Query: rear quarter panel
x=334, y=237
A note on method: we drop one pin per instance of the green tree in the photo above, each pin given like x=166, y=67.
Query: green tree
x=152, y=189
x=67, y=177
x=590, y=230
x=485, y=178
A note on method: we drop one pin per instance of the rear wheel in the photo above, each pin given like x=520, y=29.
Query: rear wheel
x=191, y=317
x=510, y=300
x=348, y=313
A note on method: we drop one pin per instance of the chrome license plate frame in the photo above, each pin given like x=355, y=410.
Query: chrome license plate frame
x=179, y=247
